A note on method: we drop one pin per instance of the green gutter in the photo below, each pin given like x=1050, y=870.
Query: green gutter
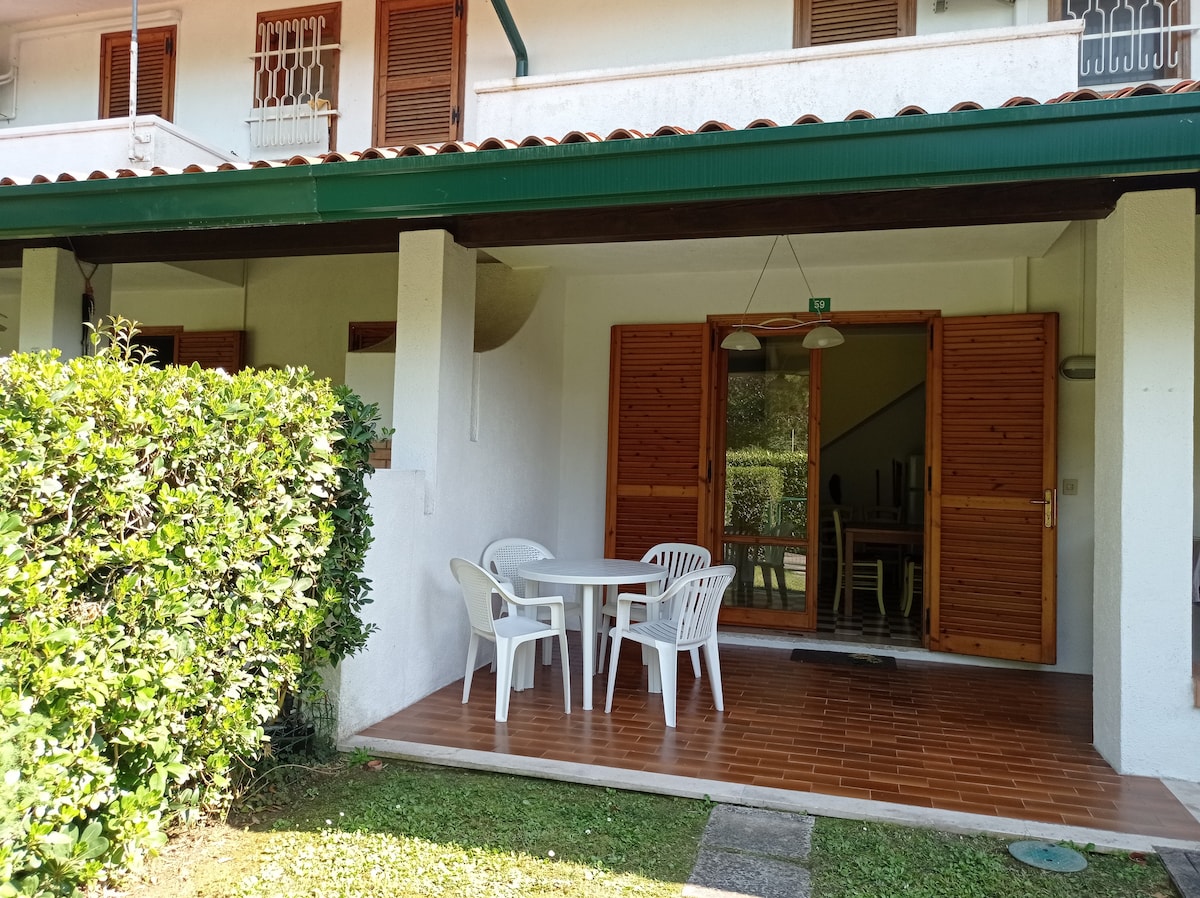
x=1087, y=139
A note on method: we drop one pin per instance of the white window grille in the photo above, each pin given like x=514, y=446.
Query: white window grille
x=1129, y=41
x=294, y=82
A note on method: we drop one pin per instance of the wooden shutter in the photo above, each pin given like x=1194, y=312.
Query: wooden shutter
x=821, y=22
x=658, y=464
x=156, y=73
x=991, y=559
x=418, y=71
x=213, y=349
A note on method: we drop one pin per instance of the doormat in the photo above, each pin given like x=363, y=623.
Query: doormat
x=842, y=659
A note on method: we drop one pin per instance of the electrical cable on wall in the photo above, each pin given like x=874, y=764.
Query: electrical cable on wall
x=89, y=305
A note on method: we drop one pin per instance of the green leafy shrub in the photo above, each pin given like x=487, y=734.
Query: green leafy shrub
x=749, y=493
x=742, y=491
x=179, y=549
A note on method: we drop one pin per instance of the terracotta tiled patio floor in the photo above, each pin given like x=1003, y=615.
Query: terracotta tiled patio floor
x=1007, y=743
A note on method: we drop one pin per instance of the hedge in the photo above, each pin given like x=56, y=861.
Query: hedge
x=751, y=502
x=179, y=549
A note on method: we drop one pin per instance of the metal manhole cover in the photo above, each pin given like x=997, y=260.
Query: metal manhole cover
x=1048, y=856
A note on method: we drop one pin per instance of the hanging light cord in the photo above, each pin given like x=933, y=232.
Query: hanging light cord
x=760, y=277
x=89, y=299
x=807, y=286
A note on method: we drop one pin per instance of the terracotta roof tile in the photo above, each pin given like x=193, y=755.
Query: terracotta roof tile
x=576, y=137
x=573, y=137
x=1019, y=101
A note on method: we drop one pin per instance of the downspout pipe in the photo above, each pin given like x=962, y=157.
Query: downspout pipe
x=133, y=81
x=513, y=35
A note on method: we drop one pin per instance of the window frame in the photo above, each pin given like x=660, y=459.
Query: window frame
x=1057, y=12
x=330, y=44
x=906, y=21
x=112, y=42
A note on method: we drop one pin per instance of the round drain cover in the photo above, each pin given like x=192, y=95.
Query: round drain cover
x=1047, y=856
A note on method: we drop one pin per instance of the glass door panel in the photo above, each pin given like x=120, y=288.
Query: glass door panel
x=767, y=425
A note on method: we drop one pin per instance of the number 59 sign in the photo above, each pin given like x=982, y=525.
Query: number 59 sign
x=819, y=304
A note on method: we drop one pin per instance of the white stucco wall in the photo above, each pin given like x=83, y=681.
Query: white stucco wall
x=475, y=482
x=10, y=307
x=882, y=77
x=58, y=67
x=595, y=303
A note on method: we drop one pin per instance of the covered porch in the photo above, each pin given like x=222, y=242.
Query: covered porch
x=1004, y=212
x=963, y=747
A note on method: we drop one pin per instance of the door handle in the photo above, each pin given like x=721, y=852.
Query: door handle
x=1049, y=508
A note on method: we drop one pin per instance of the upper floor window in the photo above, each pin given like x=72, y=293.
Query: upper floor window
x=155, y=72
x=419, y=48
x=296, y=75
x=1129, y=41
x=844, y=21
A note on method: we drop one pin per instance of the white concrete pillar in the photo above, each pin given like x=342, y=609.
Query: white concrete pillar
x=1144, y=719
x=435, y=324
x=52, y=287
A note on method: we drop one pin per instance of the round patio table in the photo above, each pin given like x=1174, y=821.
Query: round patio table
x=589, y=573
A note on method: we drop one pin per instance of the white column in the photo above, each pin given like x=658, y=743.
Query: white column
x=1144, y=719
x=420, y=517
x=52, y=300
x=435, y=325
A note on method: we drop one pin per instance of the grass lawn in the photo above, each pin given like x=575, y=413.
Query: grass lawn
x=412, y=830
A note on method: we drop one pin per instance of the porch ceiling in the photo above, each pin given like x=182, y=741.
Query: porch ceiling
x=1023, y=163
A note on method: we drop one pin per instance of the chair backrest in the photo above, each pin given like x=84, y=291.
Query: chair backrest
x=837, y=534
x=477, y=587
x=697, y=602
x=678, y=559
x=504, y=556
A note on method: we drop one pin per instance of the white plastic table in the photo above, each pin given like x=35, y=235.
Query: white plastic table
x=588, y=574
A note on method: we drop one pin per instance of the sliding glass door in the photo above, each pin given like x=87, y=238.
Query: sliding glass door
x=769, y=423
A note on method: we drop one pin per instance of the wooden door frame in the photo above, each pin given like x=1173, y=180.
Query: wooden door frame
x=721, y=326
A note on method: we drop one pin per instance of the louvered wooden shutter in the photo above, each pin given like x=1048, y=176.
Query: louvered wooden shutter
x=657, y=437
x=821, y=22
x=213, y=349
x=418, y=65
x=156, y=73
x=991, y=562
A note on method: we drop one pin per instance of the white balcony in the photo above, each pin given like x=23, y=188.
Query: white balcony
x=79, y=148
x=882, y=77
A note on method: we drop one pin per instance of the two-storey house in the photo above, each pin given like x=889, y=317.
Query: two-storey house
x=527, y=227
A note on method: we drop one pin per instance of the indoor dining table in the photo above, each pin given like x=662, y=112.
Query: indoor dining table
x=588, y=574
x=890, y=532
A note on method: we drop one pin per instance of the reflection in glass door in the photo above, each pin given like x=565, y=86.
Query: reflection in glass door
x=768, y=422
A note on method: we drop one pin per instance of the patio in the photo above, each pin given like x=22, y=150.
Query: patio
x=1012, y=744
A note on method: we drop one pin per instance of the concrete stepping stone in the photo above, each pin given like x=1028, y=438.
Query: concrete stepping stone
x=752, y=853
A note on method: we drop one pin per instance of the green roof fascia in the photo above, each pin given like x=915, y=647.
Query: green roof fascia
x=1050, y=142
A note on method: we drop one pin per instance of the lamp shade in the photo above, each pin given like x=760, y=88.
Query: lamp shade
x=823, y=337
x=740, y=340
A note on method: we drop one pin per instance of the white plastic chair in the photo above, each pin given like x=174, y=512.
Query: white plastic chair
x=504, y=556
x=694, y=601
x=511, y=632
x=678, y=559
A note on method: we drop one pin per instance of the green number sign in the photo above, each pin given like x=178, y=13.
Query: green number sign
x=819, y=304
